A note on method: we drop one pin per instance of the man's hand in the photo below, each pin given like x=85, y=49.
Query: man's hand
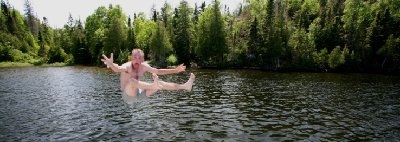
x=108, y=61
x=180, y=68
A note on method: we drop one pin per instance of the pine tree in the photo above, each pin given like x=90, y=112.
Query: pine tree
x=32, y=21
x=181, y=34
x=131, y=35
x=254, y=42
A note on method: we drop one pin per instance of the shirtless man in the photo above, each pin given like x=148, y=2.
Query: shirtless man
x=132, y=71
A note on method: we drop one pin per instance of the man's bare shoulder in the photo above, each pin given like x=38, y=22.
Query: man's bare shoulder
x=145, y=64
x=126, y=64
x=146, y=67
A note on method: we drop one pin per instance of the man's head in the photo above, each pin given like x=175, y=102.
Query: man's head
x=137, y=57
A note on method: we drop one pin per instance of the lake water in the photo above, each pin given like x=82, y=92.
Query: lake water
x=85, y=104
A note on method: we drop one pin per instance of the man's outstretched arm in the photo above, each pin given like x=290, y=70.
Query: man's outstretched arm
x=178, y=69
x=110, y=64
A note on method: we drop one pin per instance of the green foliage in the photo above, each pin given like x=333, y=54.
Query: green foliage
x=131, y=42
x=212, y=29
x=171, y=60
x=3, y=14
x=160, y=45
x=181, y=40
x=238, y=43
x=11, y=40
x=330, y=24
x=124, y=56
x=321, y=59
x=32, y=21
x=5, y=52
x=18, y=56
x=115, y=31
x=254, y=41
x=203, y=36
x=240, y=56
x=301, y=49
x=56, y=54
x=391, y=52
x=144, y=29
x=94, y=33
x=272, y=34
x=257, y=8
x=9, y=53
x=80, y=50
x=308, y=11
x=167, y=17
x=337, y=57
x=14, y=64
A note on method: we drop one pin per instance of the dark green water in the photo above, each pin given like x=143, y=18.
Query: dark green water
x=85, y=104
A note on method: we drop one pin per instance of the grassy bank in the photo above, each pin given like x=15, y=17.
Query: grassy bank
x=17, y=64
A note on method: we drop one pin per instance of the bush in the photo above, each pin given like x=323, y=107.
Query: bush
x=4, y=52
x=171, y=60
x=69, y=59
x=14, y=42
x=124, y=56
x=35, y=61
x=321, y=58
x=57, y=54
x=18, y=56
x=337, y=57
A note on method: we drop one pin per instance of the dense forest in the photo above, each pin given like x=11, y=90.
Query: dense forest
x=299, y=35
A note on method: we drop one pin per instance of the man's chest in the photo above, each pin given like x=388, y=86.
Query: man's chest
x=136, y=73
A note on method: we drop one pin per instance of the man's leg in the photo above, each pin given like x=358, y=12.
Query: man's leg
x=173, y=86
x=133, y=85
x=130, y=91
x=150, y=92
x=144, y=85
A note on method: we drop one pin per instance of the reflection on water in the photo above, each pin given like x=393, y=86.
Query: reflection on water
x=85, y=103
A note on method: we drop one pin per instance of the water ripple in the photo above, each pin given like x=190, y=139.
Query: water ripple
x=85, y=104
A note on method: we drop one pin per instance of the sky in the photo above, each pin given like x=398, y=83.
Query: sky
x=57, y=11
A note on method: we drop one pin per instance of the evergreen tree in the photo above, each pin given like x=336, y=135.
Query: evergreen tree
x=94, y=33
x=131, y=36
x=167, y=19
x=381, y=30
x=11, y=24
x=115, y=32
x=212, y=29
x=254, y=41
x=79, y=50
x=31, y=20
x=160, y=45
x=203, y=7
x=144, y=30
x=196, y=13
x=181, y=32
x=351, y=32
x=3, y=10
x=155, y=15
x=67, y=43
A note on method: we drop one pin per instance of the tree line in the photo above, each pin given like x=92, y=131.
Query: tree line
x=312, y=35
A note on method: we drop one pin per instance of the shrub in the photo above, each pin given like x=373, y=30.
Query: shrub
x=4, y=51
x=171, y=60
x=18, y=56
x=321, y=58
x=57, y=54
x=124, y=56
x=337, y=57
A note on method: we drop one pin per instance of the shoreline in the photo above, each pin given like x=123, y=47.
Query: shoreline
x=283, y=70
x=19, y=64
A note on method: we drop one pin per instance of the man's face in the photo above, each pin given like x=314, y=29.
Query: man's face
x=136, y=58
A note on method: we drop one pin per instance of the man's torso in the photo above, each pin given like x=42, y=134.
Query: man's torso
x=131, y=73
